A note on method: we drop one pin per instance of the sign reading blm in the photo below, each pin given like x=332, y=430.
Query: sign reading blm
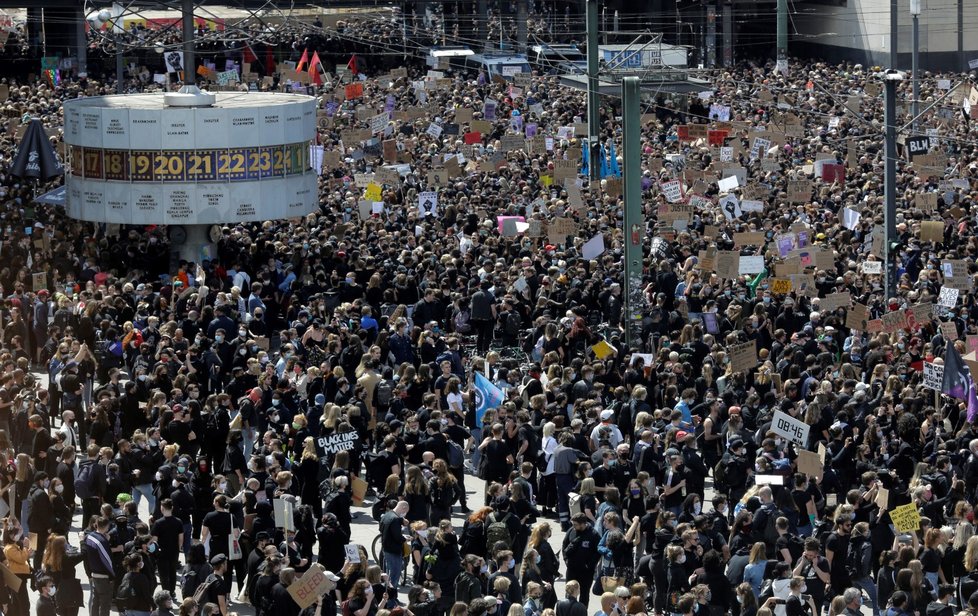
x=328, y=445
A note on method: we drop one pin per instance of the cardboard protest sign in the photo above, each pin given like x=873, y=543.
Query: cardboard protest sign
x=882, y=498
x=933, y=375
x=358, y=490
x=905, y=518
x=792, y=429
x=312, y=585
x=809, y=463
x=835, y=300
x=743, y=356
x=932, y=231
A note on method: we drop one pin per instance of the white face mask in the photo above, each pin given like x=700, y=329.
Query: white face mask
x=223, y=485
x=697, y=508
x=59, y=489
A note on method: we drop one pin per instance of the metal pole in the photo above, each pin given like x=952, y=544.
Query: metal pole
x=894, y=35
x=521, y=17
x=711, y=35
x=189, y=63
x=120, y=68
x=482, y=25
x=82, y=43
x=593, y=97
x=782, y=57
x=961, y=63
x=728, y=39
x=890, y=188
x=916, y=69
x=634, y=223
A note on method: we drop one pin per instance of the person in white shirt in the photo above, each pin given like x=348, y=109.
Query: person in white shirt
x=70, y=429
x=614, y=434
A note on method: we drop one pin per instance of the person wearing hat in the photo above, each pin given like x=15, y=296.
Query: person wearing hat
x=215, y=586
x=606, y=430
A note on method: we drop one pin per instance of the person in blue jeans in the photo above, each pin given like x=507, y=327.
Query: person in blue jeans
x=392, y=541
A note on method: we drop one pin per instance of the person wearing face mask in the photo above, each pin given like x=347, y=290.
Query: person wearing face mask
x=468, y=584
x=46, y=604
x=41, y=517
x=506, y=567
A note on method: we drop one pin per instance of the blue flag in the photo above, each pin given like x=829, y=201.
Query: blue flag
x=613, y=162
x=586, y=155
x=604, y=163
x=487, y=396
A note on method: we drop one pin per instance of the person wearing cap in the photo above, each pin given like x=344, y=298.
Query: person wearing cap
x=606, y=429
x=216, y=586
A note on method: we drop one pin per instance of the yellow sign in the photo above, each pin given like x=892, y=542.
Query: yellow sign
x=781, y=286
x=905, y=518
x=546, y=180
x=603, y=350
x=373, y=192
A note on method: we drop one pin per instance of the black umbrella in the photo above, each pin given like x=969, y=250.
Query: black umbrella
x=35, y=157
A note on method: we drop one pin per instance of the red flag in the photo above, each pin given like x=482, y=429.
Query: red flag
x=352, y=64
x=248, y=56
x=314, y=68
x=301, y=66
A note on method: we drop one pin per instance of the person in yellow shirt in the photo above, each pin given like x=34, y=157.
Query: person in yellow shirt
x=18, y=555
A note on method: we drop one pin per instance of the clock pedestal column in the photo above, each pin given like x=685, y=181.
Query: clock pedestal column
x=196, y=247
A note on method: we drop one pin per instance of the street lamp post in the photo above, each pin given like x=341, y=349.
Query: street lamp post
x=915, y=13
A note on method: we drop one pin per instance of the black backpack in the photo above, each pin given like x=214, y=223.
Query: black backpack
x=513, y=323
x=383, y=393
x=855, y=561
x=125, y=594
x=85, y=482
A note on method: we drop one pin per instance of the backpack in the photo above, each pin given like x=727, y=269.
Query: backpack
x=855, y=560
x=499, y=531
x=85, y=482
x=204, y=588
x=770, y=528
x=513, y=323
x=473, y=539
x=720, y=474
x=796, y=545
x=383, y=393
x=125, y=594
x=456, y=457
x=575, y=503
x=461, y=320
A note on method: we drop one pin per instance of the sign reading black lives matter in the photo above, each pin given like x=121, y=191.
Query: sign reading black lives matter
x=337, y=442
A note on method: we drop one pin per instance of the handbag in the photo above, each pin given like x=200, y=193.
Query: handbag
x=610, y=583
x=234, y=546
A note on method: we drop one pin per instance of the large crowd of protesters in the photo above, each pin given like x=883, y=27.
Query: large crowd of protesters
x=641, y=477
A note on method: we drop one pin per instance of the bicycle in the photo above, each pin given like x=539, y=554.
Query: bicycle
x=378, y=554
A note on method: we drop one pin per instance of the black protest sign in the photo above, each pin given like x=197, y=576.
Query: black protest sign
x=917, y=146
x=327, y=445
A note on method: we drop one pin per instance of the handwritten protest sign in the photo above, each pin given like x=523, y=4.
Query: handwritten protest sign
x=312, y=585
x=743, y=356
x=933, y=375
x=336, y=442
x=905, y=518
